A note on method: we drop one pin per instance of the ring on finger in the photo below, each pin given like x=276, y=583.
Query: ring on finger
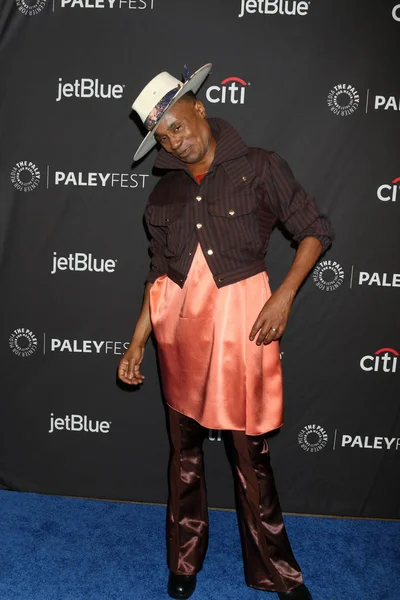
x=273, y=329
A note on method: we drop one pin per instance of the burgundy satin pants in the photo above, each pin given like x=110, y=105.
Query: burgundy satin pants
x=269, y=563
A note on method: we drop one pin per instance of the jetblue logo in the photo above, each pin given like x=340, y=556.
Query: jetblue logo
x=78, y=423
x=88, y=88
x=274, y=7
x=82, y=262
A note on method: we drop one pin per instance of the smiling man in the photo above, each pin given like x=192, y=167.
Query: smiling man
x=217, y=325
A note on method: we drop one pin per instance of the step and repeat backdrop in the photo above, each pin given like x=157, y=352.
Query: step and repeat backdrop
x=315, y=81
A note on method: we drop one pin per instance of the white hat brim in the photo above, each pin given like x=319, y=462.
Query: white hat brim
x=193, y=84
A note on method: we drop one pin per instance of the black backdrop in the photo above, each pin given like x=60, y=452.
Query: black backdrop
x=315, y=81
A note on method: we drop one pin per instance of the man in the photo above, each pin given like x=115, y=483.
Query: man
x=208, y=301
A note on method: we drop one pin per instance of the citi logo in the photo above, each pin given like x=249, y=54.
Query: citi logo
x=274, y=7
x=388, y=192
x=231, y=89
x=384, y=360
x=396, y=12
x=88, y=88
x=78, y=423
x=82, y=262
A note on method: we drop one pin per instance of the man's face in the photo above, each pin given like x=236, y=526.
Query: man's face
x=184, y=131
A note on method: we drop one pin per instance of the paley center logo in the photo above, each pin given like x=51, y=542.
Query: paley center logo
x=231, y=89
x=78, y=423
x=387, y=192
x=23, y=342
x=25, y=176
x=328, y=275
x=366, y=278
x=312, y=438
x=274, y=7
x=384, y=102
x=104, y=4
x=369, y=442
x=31, y=8
x=92, y=179
x=343, y=99
x=89, y=88
x=79, y=261
x=383, y=360
x=87, y=346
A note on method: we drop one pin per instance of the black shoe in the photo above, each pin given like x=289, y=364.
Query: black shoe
x=181, y=586
x=299, y=593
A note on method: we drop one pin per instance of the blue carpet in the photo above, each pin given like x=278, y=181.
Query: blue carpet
x=54, y=548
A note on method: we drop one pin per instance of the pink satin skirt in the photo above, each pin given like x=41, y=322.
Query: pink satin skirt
x=210, y=369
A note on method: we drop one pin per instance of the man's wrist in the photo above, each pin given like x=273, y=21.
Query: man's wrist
x=139, y=340
x=288, y=290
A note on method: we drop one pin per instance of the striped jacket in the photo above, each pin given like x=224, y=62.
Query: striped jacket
x=231, y=213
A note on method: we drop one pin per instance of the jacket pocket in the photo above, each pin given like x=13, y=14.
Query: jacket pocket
x=235, y=220
x=164, y=215
x=168, y=217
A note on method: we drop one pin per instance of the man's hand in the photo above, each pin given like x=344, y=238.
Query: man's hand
x=129, y=365
x=272, y=320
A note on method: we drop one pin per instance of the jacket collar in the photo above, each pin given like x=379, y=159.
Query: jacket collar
x=229, y=146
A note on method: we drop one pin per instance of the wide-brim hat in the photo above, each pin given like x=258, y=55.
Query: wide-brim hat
x=158, y=97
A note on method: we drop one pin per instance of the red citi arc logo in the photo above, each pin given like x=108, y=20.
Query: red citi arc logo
x=387, y=192
x=384, y=360
x=231, y=89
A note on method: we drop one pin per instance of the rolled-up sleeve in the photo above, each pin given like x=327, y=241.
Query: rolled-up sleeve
x=292, y=205
x=158, y=242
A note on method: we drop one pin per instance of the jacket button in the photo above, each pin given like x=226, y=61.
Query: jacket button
x=198, y=198
x=220, y=279
x=210, y=251
x=199, y=225
x=167, y=220
x=244, y=178
x=231, y=212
